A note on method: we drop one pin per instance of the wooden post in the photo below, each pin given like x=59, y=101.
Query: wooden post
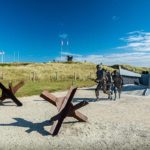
x=30, y=76
x=74, y=79
x=2, y=76
x=56, y=75
x=74, y=76
x=33, y=76
x=90, y=75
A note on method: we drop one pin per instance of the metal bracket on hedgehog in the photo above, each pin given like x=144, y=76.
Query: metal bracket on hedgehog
x=10, y=92
x=65, y=108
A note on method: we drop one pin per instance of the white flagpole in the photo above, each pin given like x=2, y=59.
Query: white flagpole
x=62, y=43
x=18, y=56
x=2, y=57
x=14, y=56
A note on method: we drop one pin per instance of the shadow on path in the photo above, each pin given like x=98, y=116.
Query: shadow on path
x=92, y=88
x=90, y=99
x=133, y=88
x=38, y=127
x=41, y=101
x=8, y=103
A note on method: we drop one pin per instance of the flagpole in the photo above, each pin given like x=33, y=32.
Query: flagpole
x=60, y=53
x=14, y=56
x=18, y=57
x=61, y=48
x=2, y=58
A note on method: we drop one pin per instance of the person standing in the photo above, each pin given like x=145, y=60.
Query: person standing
x=109, y=84
x=117, y=83
x=100, y=75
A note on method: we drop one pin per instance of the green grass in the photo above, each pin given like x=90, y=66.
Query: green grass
x=47, y=71
x=35, y=88
x=45, y=76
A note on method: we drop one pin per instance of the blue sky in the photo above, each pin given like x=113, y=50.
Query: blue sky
x=108, y=31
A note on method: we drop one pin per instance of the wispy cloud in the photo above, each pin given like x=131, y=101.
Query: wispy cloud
x=115, y=18
x=63, y=36
x=67, y=53
x=134, y=58
x=137, y=41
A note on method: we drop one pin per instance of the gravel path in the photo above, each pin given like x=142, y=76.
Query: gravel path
x=121, y=124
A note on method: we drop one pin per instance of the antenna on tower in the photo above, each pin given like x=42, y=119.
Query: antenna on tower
x=61, y=49
x=14, y=56
x=2, y=56
x=18, y=57
x=63, y=38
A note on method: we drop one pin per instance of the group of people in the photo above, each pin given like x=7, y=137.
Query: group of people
x=108, y=82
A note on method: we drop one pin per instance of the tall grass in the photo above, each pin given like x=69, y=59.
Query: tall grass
x=52, y=76
x=35, y=88
x=48, y=71
x=55, y=71
x=47, y=76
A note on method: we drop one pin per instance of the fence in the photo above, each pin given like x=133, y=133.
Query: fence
x=55, y=76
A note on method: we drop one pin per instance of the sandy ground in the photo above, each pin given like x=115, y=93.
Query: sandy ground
x=121, y=124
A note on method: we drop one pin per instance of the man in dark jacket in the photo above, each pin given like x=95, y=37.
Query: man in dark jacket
x=117, y=83
x=101, y=74
x=117, y=78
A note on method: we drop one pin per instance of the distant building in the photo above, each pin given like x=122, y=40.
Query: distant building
x=129, y=77
x=69, y=58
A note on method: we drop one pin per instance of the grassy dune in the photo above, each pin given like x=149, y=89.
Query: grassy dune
x=52, y=76
x=133, y=68
x=48, y=71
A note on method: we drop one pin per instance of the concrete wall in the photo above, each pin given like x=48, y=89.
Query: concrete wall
x=145, y=79
x=130, y=80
